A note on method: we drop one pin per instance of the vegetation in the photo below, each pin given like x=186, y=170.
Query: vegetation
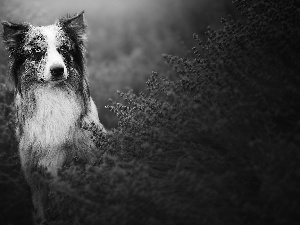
x=214, y=140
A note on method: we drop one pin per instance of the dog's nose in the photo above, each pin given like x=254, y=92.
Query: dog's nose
x=57, y=71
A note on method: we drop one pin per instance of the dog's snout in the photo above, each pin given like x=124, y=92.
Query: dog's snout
x=57, y=71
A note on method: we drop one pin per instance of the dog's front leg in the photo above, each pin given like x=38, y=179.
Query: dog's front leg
x=38, y=183
x=39, y=191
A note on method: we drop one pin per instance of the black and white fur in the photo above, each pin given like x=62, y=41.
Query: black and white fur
x=52, y=98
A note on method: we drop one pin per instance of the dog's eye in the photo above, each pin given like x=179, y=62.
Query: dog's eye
x=37, y=49
x=63, y=49
x=34, y=51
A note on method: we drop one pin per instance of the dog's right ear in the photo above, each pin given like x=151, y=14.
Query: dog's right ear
x=75, y=26
x=13, y=34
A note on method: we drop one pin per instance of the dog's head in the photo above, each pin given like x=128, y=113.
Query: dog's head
x=47, y=55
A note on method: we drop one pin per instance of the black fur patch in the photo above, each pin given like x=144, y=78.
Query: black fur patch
x=14, y=38
x=75, y=28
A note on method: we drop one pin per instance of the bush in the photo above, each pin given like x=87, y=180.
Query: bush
x=214, y=141
x=15, y=201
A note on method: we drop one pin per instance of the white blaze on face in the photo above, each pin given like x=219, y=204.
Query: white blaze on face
x=54, y=59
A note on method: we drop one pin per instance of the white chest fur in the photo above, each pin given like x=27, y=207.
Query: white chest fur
x=50, y=128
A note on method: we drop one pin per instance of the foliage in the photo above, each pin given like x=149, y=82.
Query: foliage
x=14, y=194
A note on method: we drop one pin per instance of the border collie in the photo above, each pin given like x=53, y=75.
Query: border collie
x=54, y=110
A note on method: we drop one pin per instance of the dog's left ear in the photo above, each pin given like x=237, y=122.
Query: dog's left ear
x=75, y=25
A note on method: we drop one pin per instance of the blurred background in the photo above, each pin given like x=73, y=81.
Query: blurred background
x=126, y=37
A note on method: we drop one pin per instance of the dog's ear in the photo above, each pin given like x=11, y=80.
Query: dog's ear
x=13, y=34
x=75, y=25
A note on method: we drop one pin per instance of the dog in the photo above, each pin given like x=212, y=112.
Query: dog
x=54, y=109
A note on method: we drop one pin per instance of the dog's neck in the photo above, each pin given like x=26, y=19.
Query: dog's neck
x=49, y=116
